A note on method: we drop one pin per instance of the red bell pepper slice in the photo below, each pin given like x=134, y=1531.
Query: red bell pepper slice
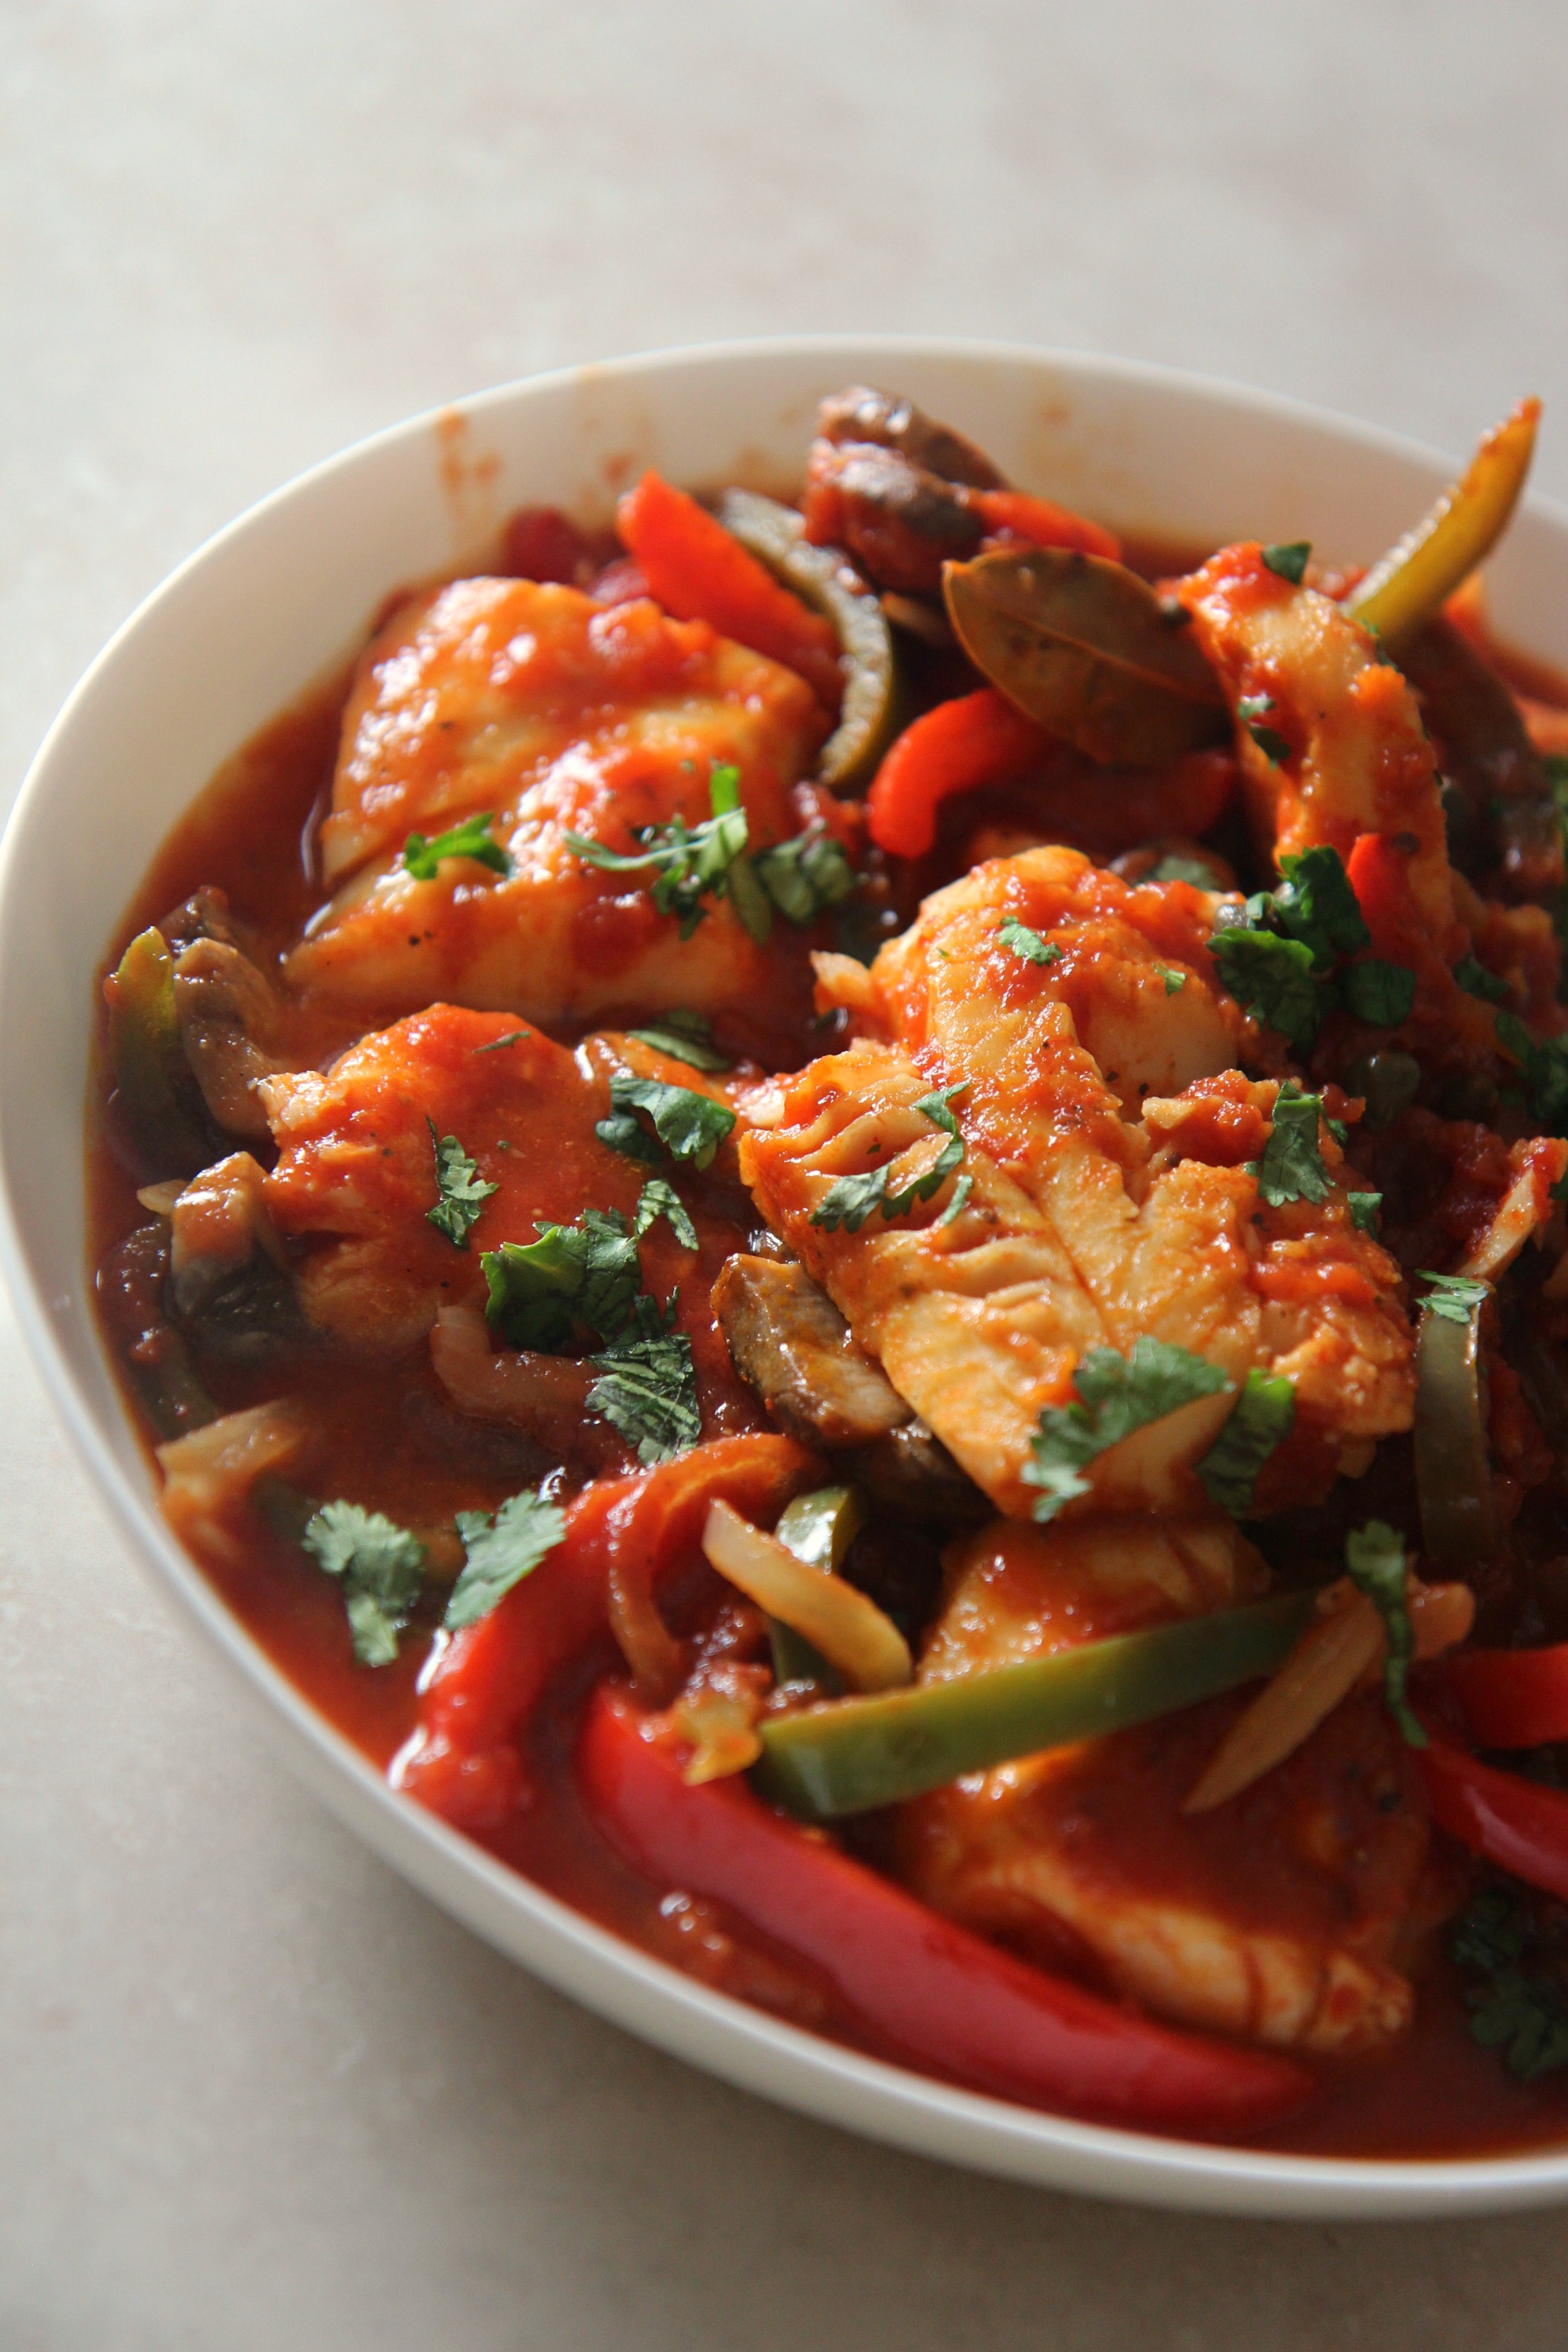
x=699, y=572
x=1379, y=872
x=463, y=1760
x=1511, y=1698
x=1516, y=1823
x=944, y=1995
x=977, y=739
x=1040, y=522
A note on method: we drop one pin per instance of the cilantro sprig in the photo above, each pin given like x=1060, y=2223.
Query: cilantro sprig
x=499, y=1552
x=587, y=1278
x=687, y=1125
x=801, y=878
x=851, y=1200
x=381, y=1567
x=460, y=1190
x=1283, y=953
x=422, y=856
x=1375, y=1562
x=1118, y=1394
x=1543, y=1062
x=1453, y=1297
x=1261, y=1421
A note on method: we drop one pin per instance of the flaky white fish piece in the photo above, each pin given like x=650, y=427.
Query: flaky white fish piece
x=557, y=715
x=1083, y=1228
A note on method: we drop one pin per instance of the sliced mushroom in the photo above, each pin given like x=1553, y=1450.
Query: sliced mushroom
x=859, y=412
x=228, y=1013
x=1498, y=796
x=909, y=1474
x=229, y=1279
x=789, y=1341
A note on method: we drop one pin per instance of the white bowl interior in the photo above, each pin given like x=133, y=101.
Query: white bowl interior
x=284, y=592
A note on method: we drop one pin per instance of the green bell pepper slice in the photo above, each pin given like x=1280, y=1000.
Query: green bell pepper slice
x=851, y=1755
x=872, y=712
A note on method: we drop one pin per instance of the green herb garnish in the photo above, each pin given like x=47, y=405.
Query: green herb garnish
x=586, y=1274
x=460, y=1190
x=658, y=1198
x=1380, y=992
x=381, y=1567
x=1291, y=1167
x=1374, y=1561
x=1252, y=710
x=1287, y=559
x=1454, y=1296
x=1364, y=1208
x=646, y=1390
x=470, y=839
x=689, y=1125
x=1026, y=944
x=806, y=876
x=1261, y=1420
x=498, y=1553
x=691, y=863
x=851, y=1200
x=1521, y=2007
x=1272, y=979
x=1118, y=1394
x=685, y=1037
x=1476, y=980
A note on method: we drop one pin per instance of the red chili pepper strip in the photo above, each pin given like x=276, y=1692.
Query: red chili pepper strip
x=977, y=739
x=1379, y=873
x=699, y=571
x=463, y=1760
x=1040, y=522
x=1518, y=1824
x=949, y=2000
x=1511, y=1698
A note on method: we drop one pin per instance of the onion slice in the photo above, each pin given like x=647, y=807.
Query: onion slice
x=1341, y=1645
x=851, y=1632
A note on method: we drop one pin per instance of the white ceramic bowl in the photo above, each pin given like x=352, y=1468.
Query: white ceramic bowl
x=285, y=592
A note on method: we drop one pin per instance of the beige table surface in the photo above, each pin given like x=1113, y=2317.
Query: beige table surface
x=253, y=2092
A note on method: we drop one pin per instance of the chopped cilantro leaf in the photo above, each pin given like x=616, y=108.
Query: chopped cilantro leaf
x=1118, y=1394
x=460, y=1191
x=1275, y=746
x=1287, y=559
x=647, y=1388
x=690, y=1126
x=1454, y=1296
x=1291, y=1167
x=806, y=876
x=1253, y=706
x=690, y=864
x=1374, y=1561
x=470, y=839
x=498, y=1553
x=1380, y=992
x=1262, y=1419
x=685, y=1037
x=540, y=1291
x=1521, y=2008
x=850, y=1201
x=1272, y=979
x=1316, y=905
x=513, y=1037
x=955, y=1207
x=381, y=1567
x=1026, y=944
x=658, y=1199
x=1476, y=980
x=1363, y=1208
x=1174, y=981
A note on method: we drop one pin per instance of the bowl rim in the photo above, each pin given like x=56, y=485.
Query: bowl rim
x=642, y=1994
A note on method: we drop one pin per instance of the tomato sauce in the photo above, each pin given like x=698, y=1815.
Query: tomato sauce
x=390, y=1436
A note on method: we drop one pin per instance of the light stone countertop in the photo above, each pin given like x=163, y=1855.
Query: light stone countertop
x=254, y=2092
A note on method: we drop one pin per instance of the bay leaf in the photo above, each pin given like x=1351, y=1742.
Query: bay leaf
x=1087, y=650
